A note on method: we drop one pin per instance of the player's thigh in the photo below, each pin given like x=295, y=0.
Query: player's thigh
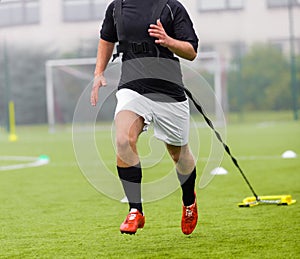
x=128, y=125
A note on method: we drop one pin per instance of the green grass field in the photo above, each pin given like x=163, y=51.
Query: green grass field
x=53, y=212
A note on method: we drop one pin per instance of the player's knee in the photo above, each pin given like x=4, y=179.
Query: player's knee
x=125, y=141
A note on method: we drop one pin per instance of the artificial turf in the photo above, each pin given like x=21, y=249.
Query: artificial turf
x=52, y=211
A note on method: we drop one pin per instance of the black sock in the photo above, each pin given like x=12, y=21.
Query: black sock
x=187, y=183
x=131, y=178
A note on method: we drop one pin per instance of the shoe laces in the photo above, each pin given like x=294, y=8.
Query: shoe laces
x=189, y=215
x=130, y=218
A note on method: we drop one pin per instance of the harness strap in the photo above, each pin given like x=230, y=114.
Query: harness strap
x=118, y=19
x=134, y=47
x=159, y=8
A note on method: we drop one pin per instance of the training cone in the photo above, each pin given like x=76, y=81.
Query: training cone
x=289, y=154
x=219, y=171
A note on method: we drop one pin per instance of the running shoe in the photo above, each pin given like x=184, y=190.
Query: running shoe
x=133, y=221
x=189, y=218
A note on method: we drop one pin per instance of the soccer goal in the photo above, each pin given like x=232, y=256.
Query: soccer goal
x=66, y=79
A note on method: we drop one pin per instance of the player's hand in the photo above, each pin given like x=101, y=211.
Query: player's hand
x=99, y=81
x=157, y=31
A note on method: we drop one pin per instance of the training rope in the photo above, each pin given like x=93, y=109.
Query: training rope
x=226, y=147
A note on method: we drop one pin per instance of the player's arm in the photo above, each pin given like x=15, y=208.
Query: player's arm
x=182, y=49
x=104, y=52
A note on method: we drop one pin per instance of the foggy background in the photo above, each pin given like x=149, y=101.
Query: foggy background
x=257, y=41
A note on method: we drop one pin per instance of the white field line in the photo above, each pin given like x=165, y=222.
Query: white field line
x=17, y=158
x=31, y=162
x=159, y=161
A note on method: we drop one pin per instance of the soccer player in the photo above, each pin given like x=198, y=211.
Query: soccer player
x=148, y=45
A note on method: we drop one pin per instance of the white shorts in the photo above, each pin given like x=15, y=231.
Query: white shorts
x=171, y=120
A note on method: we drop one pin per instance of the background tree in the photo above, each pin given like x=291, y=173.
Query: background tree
x=262, y=82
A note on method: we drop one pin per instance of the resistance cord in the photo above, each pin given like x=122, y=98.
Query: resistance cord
x=226, y=147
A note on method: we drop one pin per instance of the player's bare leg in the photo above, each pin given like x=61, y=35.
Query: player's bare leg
x=128, y=128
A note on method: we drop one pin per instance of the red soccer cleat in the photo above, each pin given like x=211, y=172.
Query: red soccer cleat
x=133, y=221
x=189, y=218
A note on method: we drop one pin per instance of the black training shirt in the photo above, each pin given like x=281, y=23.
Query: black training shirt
x=144, y=72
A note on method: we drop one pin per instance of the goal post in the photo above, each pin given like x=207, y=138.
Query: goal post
x=217, y=72
x=208, y=67
x=50, y=65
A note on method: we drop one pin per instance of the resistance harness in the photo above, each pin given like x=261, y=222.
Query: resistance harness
x=132, y=46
